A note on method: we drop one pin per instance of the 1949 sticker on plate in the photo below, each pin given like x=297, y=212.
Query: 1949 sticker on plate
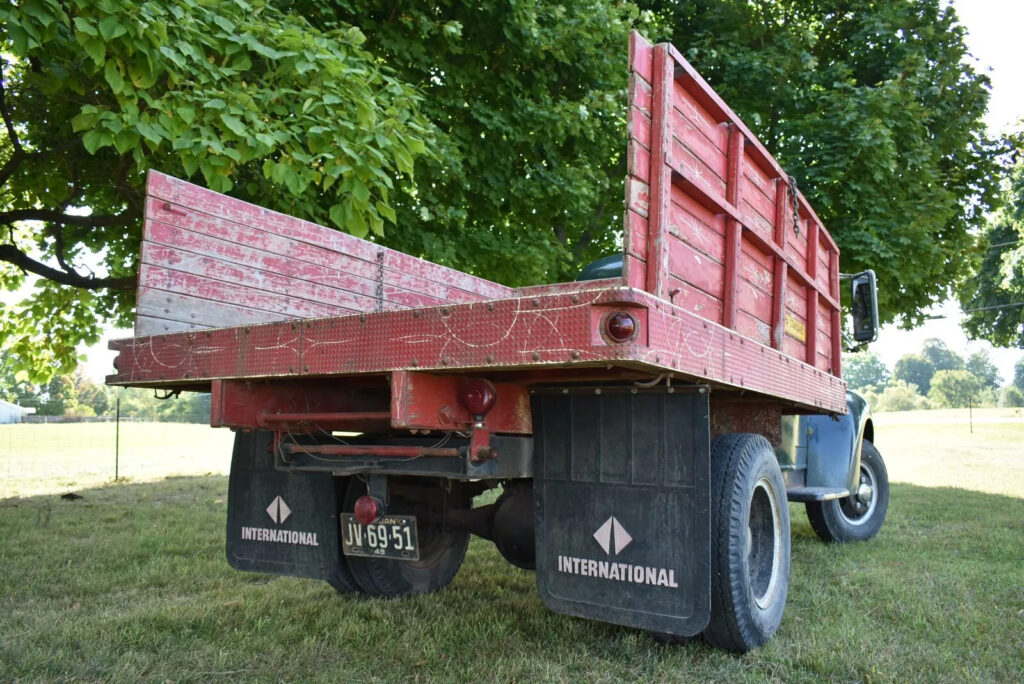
x=389, y=536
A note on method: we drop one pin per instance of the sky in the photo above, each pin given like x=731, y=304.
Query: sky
x=994, y=28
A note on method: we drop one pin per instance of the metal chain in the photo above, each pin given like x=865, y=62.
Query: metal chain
x=380, y=280
x=794, y=198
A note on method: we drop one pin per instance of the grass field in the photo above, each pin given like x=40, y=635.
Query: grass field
x=130, y=582
x=40, y=458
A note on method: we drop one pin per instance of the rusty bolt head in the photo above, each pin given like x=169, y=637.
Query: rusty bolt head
x=535, y=356
x=575, y=355
x=490, y=358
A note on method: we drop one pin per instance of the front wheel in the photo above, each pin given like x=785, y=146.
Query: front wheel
x=749, y=543
x=857, y=517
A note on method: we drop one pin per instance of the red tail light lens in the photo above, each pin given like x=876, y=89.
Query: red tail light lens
x=621, y=326
x=367, y=509
x=478, y=396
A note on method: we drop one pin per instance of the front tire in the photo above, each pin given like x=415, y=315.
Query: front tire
x=857, y=517
x=750, y=543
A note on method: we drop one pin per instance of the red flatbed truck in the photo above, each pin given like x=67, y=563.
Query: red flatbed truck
x=646, y=426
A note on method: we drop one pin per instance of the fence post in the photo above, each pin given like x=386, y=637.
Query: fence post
x=117, y=436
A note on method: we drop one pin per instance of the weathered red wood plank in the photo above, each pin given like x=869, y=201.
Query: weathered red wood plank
x=691, y=136
x=272, y=283
x=638, y=198
x=700, y=270
x=639, y=127
x=733, y=228
x=641, y=55
x=687, y=103
x=661, y=175
x=635, y=237
x=686, y=296
x=191, y=198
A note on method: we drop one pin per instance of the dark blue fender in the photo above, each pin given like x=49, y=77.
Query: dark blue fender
x=824, y=451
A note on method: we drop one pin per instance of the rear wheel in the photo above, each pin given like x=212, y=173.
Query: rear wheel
x=442, y=548
x=344, y=582
x=857, y=517
x=749, y=543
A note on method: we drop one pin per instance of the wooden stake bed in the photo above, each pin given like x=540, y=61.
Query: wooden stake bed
x=728, y=272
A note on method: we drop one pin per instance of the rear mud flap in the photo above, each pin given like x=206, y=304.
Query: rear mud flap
x=282, y=523
x=622, y=494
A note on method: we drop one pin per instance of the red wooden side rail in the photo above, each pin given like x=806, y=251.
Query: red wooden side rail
x=714, y=224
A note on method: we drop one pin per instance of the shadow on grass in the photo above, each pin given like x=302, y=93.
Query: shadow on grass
x=131, y=582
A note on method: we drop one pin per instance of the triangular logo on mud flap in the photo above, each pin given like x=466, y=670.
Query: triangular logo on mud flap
x=611, y=534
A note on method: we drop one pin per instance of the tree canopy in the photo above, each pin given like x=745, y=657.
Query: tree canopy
x=877, y=112
x=864, y=369
x=239, y=96
x=510, y=114
x=994, y=300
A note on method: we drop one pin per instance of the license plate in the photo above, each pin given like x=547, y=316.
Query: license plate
x=389, y=536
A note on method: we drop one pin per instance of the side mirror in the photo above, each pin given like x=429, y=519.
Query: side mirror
x=865, y=307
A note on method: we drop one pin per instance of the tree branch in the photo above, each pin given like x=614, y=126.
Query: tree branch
x=69, y=219
x=13, y=255
x=11, y=133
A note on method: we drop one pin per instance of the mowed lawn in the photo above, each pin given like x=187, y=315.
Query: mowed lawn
x=61, y=457
x=130, y=582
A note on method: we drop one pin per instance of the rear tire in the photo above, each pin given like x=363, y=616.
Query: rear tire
x=855, y=517
x=344, y=582
x=442, y=550
x=750, y=543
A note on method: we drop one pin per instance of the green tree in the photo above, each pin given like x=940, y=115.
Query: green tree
x=528, y=100
x=1012, y=397
x=58, y=397
x=192, y=407
x=994, y=300
x=239, y=96
x=981, y=366
x=14, y=385
x=916, y=370
x=863, y=369
x=954, y=388
x=91, y=394
x=1018, y=374
x=899, y=396
x=875, y=110
x=941, y=356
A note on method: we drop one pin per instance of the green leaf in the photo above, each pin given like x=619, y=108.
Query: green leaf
x=338, y=215
x=113, y=77
x=83, y=25
x=233, y=124
x=187, y=114
x=386, y=211
x=95, y=48
x=356, y=224
x=149, y=131
x=94, y=140
x=360, y=191
x=84, y=120
x=111, y=27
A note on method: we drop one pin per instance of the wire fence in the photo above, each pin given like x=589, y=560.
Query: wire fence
x=45, y=458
